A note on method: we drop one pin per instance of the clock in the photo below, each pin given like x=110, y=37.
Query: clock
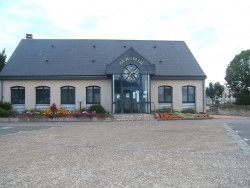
x=131, y=73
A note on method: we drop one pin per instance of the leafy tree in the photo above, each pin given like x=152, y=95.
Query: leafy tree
x=210, y=92
x=238, y=77
x=214, y=91
x=2, y=59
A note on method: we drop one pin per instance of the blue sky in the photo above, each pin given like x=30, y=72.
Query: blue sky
x=215, y=30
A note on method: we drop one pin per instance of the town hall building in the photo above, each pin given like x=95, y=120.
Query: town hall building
x=124, y=76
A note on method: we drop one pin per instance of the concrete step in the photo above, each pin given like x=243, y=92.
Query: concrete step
x=134, y=117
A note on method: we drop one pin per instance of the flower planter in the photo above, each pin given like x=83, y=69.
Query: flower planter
x=173, y=116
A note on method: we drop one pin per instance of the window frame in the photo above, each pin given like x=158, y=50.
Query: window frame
x=19, y=90
x=69, y=90
x=164, y=94
x=93, y=89
x=189, y=94
x=43, y=93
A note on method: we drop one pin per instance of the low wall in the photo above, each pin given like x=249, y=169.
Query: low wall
x=230, y=110
x=55, y=119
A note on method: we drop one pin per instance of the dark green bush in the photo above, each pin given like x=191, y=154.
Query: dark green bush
x=165, y=110
x=97, y=108
x=5, y=105
x=189, y=110
x=5, y=113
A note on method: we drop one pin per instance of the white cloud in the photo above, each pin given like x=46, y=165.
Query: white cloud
x=214, y=30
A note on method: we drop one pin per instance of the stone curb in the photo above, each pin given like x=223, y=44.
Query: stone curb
x=242, y=144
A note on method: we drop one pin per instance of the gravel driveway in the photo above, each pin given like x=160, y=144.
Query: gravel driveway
x=197, y=153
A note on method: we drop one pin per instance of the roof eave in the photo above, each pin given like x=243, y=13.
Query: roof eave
x=52, y=77
x=178, y=77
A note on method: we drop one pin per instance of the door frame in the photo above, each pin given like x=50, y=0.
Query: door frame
x=131, y=92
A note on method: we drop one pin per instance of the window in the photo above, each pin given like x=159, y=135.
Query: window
x=165, y=94
x=93, y=95
x=67, y=95
x=18, y=95
x=42, y=95
x=188, y=94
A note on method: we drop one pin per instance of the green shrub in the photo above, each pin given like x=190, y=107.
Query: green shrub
x=165, y=110
x=189, y=110
x=5, y=105
x=5, y=113
x=97, y=108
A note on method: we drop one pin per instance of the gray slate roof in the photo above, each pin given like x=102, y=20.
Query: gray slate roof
x=79, y=58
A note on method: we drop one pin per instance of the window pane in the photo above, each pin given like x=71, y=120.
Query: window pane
x=191, y=94
x=165, y=94
x=97, y=95
x=18, y=95
x=188, y=94
x=68, y=95
x=46, y=96
x=39, y=96
x=168, y=94
x=161, y=94
x=89, y=94
x=71, y=99
x=64, y=96
x=43, y=95
x=93, y=95
x=184, y=94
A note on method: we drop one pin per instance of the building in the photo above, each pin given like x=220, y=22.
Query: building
x=226, y=98
x=124, y=76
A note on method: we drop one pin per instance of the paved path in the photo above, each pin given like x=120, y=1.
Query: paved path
x=126, y=154
x=243, y=130
x=10, y=129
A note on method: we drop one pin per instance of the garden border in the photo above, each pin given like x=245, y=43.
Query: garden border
x=157, y=115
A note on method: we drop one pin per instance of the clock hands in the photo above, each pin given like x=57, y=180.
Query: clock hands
x=131, y=73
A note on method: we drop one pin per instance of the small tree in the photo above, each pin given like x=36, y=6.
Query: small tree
x=2, y=59
x=214, y=91
x=238, y=77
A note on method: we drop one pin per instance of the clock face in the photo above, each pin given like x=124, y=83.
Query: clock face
x=131, y=73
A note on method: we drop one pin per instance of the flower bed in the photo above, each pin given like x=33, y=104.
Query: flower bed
x=73, y=114
x=61, y=114
x=181, y=116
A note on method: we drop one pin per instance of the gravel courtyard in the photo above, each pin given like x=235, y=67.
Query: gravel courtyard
x=178, y=153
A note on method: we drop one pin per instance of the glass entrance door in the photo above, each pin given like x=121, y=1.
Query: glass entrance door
x=131, y=101
x=131, y=97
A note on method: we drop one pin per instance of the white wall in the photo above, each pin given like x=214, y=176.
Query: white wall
x=177, y=92
x=80, y=85
x=55, y=92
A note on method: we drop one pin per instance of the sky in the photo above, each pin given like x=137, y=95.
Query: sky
x=215, y=30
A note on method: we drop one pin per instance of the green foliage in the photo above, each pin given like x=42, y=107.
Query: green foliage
x=210, y=91
x=2, y=59
x=97, y=108
x=164, y=110
x=189, y=110
x=214, y=91
x=238, y=77
x=5, y=113
x=219, y=89
x=5, y=105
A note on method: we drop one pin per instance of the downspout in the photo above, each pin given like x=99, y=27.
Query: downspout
x=1, y=90
x=204, y=96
